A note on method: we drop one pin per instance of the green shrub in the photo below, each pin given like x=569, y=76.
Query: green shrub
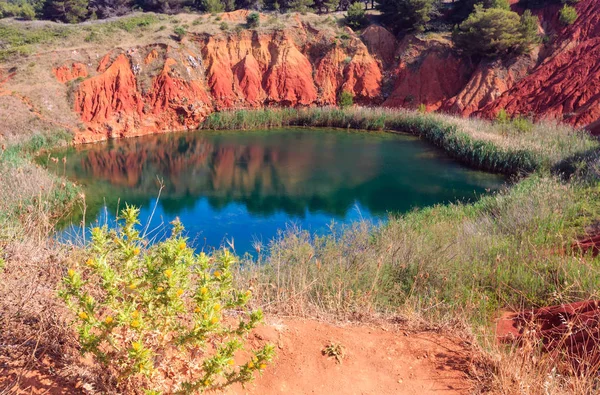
x=502, y=117
x=253, y=20
x=496, y=32
x=356, y=18
x=522, y=124
x=224, y=26
x=422, y=108
x=302, y=6
x=141, y=310
x=407, y=14
x=213, y=6
x=568, y=15
x=180, y=32
x=27, y=12
x=346, y=99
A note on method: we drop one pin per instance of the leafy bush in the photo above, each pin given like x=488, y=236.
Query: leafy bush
x=568, y=15
x=142, y=312
x=355, y=18
x=346, y=99
x=496, y=32
x=253, y=20
x=224, y=26
x=213, y=6
x=179, y=32
x=407, y=14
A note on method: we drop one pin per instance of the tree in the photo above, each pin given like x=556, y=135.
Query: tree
x=355, y=18
x=496, y=32
x=110, y=8
x=568, y=15
x=326, y=6
x=300, y=5
x=407, y=14
x=213, y=6
x=71, y=11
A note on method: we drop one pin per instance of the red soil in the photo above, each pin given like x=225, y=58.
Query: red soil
x=376, y=361
x=65, y=73
x=567, y=84
x=570, y=330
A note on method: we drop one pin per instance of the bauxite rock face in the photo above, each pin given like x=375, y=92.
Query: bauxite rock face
x=159, y=88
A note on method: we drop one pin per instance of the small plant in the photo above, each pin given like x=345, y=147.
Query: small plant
x=568, y=15
x=253, y=20
x=180, y=32
x=502, y=117
x=334, y=350
x=346, y=99
x=522, y=124
x=422, y=108
x=142, y=311
x=224, y=26
x=355, y=18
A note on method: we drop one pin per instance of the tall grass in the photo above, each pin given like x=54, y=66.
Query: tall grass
x=493, y=147
x=32, y=198
x=458, y=260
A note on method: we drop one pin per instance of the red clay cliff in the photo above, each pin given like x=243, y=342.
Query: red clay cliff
x=158, y=88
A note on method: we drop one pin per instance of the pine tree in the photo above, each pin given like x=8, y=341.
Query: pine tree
x=71, y=11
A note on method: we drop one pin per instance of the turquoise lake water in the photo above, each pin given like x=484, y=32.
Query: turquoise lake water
x=239, y=188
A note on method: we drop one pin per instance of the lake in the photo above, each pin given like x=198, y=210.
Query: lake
x=239, y=188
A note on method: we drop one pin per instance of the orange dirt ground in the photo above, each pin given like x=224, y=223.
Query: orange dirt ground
x=377, y=360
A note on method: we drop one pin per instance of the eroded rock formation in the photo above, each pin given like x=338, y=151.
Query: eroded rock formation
x=157, y=88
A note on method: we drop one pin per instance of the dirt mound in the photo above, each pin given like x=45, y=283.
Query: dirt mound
x=568, y=330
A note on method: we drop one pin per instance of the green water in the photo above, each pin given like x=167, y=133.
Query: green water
x=245, y=186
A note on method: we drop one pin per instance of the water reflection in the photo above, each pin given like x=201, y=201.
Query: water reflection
x=276, y=175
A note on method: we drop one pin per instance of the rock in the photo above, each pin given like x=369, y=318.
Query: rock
x=571, y=329
x=65, y=73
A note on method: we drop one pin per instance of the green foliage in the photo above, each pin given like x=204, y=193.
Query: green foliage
x=346, y=99
x=71, y=11
x=135, y=303
x=407, y=14
x=568, y=15
x=325, y=6
x=180, y=32
x=495, y=32
x=355, y=17
x=253, y=20
x=302, y=6
x=518, y=124
x=213, y=6
x=422, y=108
x=20, y=9
x=224, y=26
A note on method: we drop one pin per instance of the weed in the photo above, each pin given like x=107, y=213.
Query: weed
x=334, y=350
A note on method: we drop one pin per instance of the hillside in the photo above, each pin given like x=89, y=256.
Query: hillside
x=115, y=79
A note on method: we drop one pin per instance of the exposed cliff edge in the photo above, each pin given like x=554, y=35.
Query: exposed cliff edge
x=173, y=85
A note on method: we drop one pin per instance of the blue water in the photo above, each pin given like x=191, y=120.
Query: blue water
x=242, y=188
